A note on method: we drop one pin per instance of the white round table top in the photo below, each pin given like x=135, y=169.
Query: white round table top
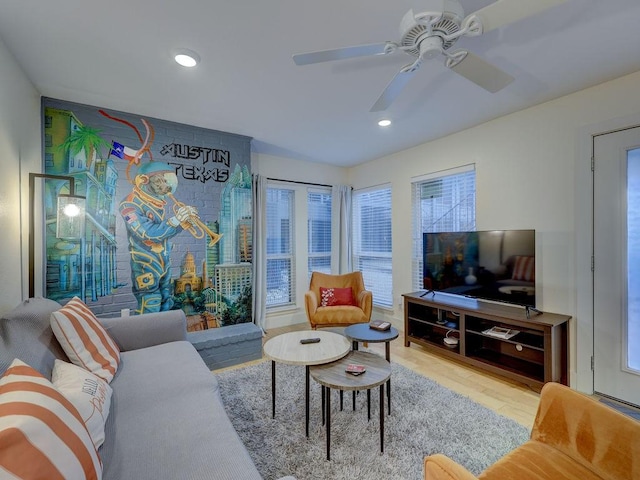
x=286, y=348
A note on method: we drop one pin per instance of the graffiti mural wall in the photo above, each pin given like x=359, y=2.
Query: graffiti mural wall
x=168, y=215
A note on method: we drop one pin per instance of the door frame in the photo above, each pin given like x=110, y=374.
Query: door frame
x=583, y=343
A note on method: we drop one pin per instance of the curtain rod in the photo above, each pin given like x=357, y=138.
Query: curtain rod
x=301, y=183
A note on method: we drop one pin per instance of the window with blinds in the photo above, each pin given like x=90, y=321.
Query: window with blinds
x=442, y=202
x=372, y=242
x=280, y=251
x=318, y=232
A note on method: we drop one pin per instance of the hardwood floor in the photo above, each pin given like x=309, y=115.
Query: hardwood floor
x=511, y=399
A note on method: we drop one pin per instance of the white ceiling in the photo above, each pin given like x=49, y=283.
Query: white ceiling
x=117, y=54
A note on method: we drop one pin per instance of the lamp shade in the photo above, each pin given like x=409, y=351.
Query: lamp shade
x=71, y=217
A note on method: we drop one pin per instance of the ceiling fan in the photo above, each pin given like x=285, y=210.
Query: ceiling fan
x=432, y=33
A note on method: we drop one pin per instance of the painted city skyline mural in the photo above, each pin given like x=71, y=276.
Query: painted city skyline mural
x=168, y=215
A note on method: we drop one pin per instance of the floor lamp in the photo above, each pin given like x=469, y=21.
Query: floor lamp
x=70, y=217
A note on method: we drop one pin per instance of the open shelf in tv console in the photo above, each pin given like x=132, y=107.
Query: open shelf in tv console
x=537, y=354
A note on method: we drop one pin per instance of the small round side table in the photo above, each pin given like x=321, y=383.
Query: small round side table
x=361, y=332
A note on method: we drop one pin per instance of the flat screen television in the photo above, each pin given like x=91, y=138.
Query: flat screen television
x=495, y=265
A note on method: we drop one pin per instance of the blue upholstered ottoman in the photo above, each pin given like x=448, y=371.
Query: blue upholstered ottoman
x=226, y=346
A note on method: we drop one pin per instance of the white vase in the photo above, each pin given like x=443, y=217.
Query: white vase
x=471, y=278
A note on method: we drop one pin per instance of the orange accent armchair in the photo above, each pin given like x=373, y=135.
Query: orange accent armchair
x=574, y=437
x=338, y=315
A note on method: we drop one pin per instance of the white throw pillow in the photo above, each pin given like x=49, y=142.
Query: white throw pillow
x=90, y=394
x=84, y=339
x=41, y=432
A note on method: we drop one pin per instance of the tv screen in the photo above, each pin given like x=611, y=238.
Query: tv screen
x=495, y=265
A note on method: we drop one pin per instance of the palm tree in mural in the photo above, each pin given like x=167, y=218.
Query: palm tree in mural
x=87, y=139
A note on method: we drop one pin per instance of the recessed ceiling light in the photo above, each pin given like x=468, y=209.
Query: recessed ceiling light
x=186, y=58
x=384, y=123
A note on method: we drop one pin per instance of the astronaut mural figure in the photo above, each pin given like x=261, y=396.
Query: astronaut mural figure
x=150, y=227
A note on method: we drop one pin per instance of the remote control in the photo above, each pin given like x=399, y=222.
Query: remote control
x=309, y=340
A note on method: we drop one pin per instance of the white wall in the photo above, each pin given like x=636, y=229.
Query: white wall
x=19, y=155
x=527, y=165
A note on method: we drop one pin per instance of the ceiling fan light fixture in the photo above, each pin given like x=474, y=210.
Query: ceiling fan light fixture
x=186, y=58
x=384, y=122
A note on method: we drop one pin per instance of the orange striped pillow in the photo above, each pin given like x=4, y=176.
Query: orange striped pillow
x=84, y=339
x=41, y=434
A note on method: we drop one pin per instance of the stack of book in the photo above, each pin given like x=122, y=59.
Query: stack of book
x=381, y=325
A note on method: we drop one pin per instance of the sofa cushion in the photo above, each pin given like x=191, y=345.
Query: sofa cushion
x=340, y=314
x=167, y=420
x=84, y=339
x=41, y=433
x=90, y=394
x=25, y=333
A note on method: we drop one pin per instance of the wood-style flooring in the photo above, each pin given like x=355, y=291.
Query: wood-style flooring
x=508, y=398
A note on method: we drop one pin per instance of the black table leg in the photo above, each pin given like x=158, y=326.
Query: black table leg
x=341, y=399
x=387, y=351
x=353, y=395
x=328, y=423
x=323, y=407
x=306, y=409
x=273, y=389
x=368, y=404
x=382, y=418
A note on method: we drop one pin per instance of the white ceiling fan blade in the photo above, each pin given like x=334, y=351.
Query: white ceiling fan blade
x=504, y=12
x=342, y=53
x=393, y=89
x=480, y=72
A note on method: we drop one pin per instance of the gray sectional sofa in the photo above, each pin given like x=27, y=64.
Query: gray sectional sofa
x=167, y=420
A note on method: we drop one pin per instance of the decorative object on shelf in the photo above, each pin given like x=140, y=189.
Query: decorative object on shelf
x=470, y=279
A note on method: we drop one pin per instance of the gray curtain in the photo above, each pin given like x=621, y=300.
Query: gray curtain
x=341, y=206
x=259, y=261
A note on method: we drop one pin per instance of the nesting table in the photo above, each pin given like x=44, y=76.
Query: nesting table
x=361, y=332
x=333, y=376
x=287, y=349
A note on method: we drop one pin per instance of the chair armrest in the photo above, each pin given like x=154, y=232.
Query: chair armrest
x=596, y=436
x=441, y=467
x=310, y=305
x=365, y=302
x=146, y=330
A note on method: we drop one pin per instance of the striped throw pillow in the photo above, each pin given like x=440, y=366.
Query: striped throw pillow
x=524, y=268
x=84, y=340
x=41, y=434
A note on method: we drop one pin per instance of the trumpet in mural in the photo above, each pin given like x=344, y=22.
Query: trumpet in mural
x=197, y=227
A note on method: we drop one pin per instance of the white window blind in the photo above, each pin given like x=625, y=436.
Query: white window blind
x=442, y=202
x=319, y=232
x=372, y=242
x=280, y=251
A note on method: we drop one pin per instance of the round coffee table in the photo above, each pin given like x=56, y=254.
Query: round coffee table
x=333, y=375
x=287, y=349
x=361, y=332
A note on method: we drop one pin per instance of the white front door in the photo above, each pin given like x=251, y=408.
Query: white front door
x=616, y=237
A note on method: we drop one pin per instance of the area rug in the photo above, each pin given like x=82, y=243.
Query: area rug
x=425, y=418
